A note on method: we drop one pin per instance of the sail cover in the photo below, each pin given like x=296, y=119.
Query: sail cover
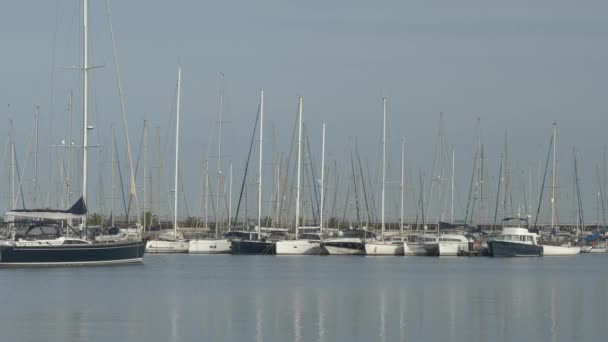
x=77, y=211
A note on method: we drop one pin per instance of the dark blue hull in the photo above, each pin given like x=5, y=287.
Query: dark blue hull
x=72, y=255
x=253, y=247
x=513, y=249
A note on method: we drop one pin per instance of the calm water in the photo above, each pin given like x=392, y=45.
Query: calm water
x=265, y=298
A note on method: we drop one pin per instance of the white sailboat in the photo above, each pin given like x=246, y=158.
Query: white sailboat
x=307, y=243
x=383, y=246
x=552, y=249
x=215, y=245
x=453, y=244
x=172, y=243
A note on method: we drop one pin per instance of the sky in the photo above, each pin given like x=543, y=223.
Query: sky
x=519, y=66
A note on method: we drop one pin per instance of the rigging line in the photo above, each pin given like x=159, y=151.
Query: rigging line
x=314, y=177
x=466, y=216
x=123, y=110
x=285, y=179
x=238, y=206
x=122, y=187
x=540, y=200
x=139, y=153
x=498, y=192
x=367, y=200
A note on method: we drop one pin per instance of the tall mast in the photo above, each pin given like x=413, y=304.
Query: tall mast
x=36, y=118
x=12, y=147
x=452, y=191
x=260, y=163
x=69, y=173
x=553, y=177
x=179, y=82
x=207, y=194
x=145, y=167
x=219, y=154
x=401, y=185
x=113, y=173
x=85, y=104
x=230, y=198
x=322, y=178
x=383, y=159
x=300, y=104
x=158, y=173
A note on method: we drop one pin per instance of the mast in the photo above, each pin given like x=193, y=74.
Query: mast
x=219, y=154
x=553, y=176
x=260, y=163
x=179, y=82
x=401, y=185
x=383, y=160
x=36, y=118
x=322, y=178
x=113, y=176
x=12, y=147
x=299, y=161
x=230, y=198
x=452, y=191
x=85, y=104
x=145, y=167
x=69, y=173
x=158, y=174
x=207, y=194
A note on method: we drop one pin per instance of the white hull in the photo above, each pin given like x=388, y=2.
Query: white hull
x=452, y=248
x=598, y=250
x=414, y=249
x=210, y=247
x=560, y=250
x=298, y=247
x=160, y=246
x=331, y=250
x=383, y=248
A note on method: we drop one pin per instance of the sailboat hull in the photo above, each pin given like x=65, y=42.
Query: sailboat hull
x=549, y=250
x=253, y=247
x=414, y=249
x=298, y=247
x=72, y=255
x=161, y=246
x=210, y=247
x=383, y=248
x=453, y=248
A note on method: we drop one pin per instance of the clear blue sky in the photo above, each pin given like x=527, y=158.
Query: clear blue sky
x=519, y=65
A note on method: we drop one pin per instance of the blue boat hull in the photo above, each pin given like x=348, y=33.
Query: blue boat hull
x=513, y=249
x=72, y=255
x=253, y=247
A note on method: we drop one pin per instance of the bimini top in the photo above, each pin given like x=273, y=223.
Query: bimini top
x=77, y=211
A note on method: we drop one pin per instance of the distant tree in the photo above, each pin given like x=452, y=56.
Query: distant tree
x=333, y=223
x=267, y=221
x=94, y=219
x=150, y=219
x=191, y=222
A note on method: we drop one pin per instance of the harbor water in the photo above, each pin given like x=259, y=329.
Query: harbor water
x=310, y=298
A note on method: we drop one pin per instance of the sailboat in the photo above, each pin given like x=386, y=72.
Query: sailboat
x=172, y=243
x=256, y=242
x=43, y=244
x=303, y=243
x=384, y=247
x=215, y=245
x=550, y=248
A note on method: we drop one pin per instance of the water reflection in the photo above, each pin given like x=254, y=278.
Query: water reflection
x=312, y=299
